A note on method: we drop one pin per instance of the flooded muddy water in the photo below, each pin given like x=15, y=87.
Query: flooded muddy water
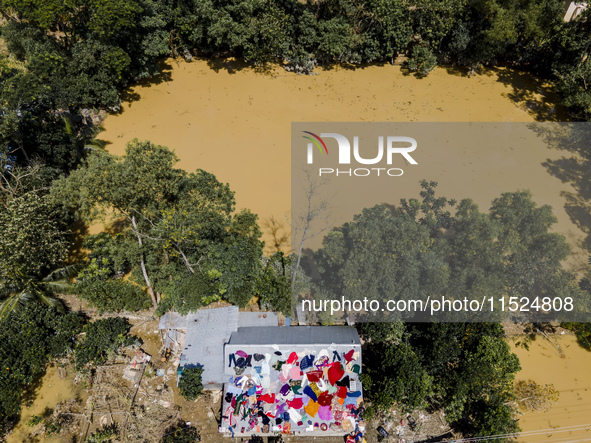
x=235, y=122
x=570, y=418
x=51, y=390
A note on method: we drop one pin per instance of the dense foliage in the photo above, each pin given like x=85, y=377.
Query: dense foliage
x=509, y=251
x=102, y=339
x=179, y=236
x=81, y=54
x=190, y=385
x=467, y=369
x=34, y=240
x=273, y=286
x=181, y=433
x=29, y=338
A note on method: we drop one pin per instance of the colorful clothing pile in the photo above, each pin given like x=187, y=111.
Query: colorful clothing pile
x=293, y=392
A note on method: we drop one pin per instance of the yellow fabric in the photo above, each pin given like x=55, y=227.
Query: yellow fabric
x=311, y=408
x=316, y=389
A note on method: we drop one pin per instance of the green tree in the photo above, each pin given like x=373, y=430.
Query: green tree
x=473, y=371
x=181, y=433
x=33, y=238
x=175, y=224
x=396, y=376
x=386, y=332
x=103, y=338
x=421, y=60
x=18, y=289
x=190, y=385
x=274, y=284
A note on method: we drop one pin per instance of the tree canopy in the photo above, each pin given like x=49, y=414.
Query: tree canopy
x=179, y=234
x=422, y=249
x=80, y=54
x=466, y=369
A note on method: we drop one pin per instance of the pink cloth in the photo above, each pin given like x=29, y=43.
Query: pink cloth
x=283, y=378
x=325, y=413
x=295, y=373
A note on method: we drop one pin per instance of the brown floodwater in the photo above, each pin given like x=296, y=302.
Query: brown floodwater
x=235, y=122
x=570, y=418
x=49, y=391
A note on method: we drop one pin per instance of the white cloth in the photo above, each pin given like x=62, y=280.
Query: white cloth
x=294, y=415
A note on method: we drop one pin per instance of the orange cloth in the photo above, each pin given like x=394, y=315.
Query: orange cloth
x=311, y=408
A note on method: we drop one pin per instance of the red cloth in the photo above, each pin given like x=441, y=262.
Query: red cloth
x=335, y=372
x=325, y=399
x=267, y=398
x=296, y=403
x=348, y=356
x=342, y=392
x=314, y=376
x=293, y=357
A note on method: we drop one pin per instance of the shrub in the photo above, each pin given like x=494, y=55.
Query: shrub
x=115, y=296
x=190, y=384
x=422, y=60
x=103, y=338
x=105, y=434
x=181, y=433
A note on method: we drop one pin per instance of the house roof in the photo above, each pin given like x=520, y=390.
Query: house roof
x=207, y=331
x=296, y=335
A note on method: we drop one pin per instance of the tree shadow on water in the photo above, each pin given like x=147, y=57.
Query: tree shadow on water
x=228, y=63
x=162, y=74
x=574, y=169
x=532, y=94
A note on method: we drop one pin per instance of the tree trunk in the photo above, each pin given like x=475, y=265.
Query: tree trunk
x=295, y=271
x=143, y=264
x=185, y=260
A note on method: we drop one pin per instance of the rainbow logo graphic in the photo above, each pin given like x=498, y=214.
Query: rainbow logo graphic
x=316, y=142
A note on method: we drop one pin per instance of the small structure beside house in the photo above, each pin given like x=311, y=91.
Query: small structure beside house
x=301, y=380
x=198, y=338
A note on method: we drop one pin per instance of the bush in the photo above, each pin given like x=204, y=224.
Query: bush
x=115, y=296
x=181, y=433
x=103, y=435
x=582, y=331
x=422, y=60
x=190, y=384
x=103, y=338
x=29, y=337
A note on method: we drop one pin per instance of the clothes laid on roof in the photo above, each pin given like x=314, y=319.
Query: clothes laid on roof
x=292, y=391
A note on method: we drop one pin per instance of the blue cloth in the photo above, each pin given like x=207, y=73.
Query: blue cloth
x=234, y=390
x=307, y=362
x=350, y=401
x=252, y=391
x=310, y=393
